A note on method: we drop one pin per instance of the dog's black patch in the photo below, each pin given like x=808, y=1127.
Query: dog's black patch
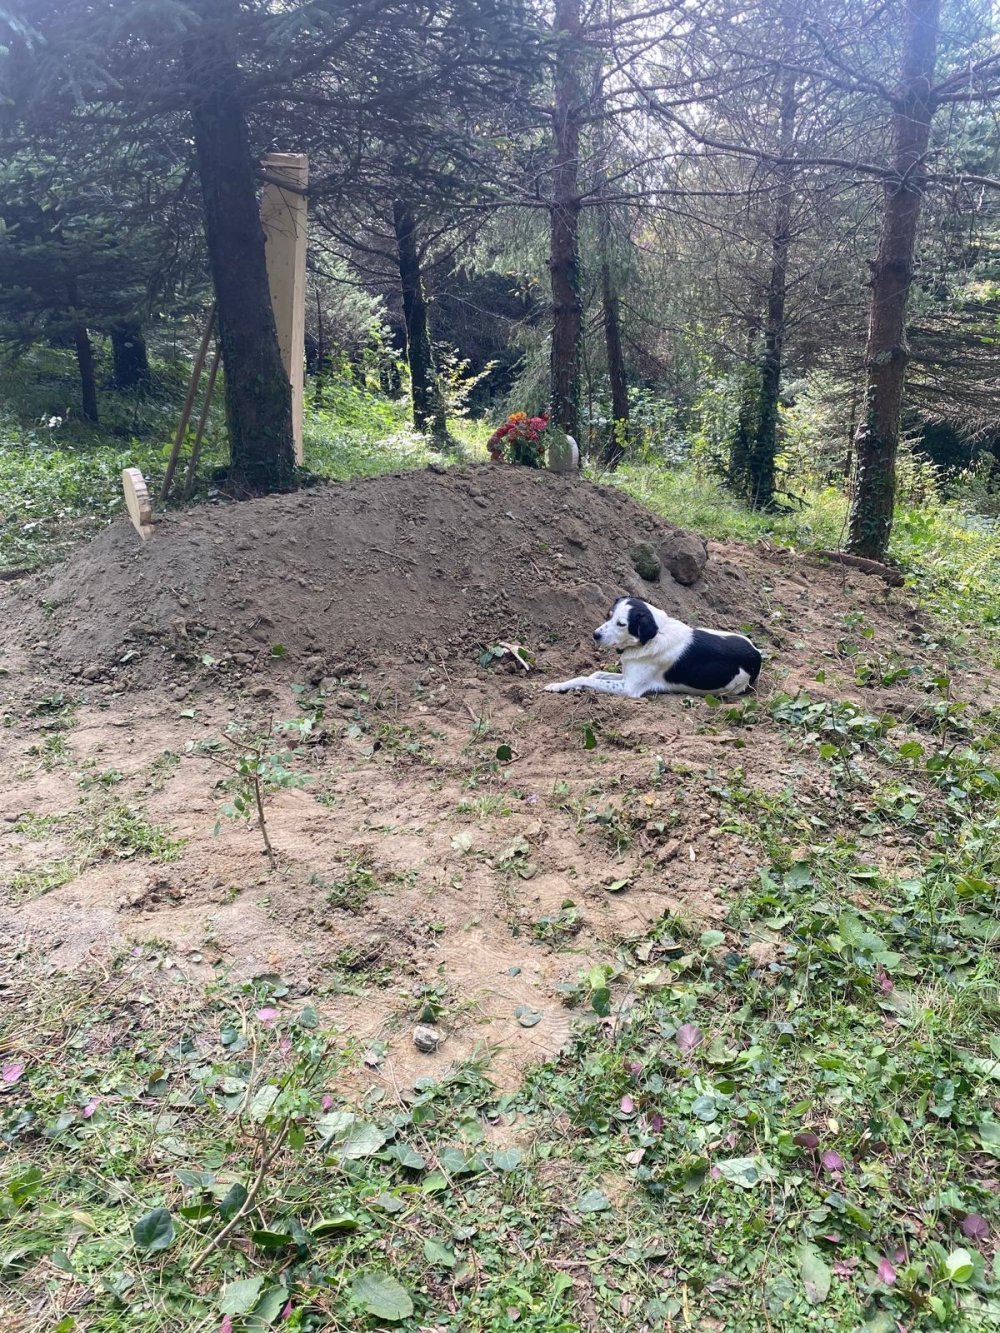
x=711, y=661
x=641, y=622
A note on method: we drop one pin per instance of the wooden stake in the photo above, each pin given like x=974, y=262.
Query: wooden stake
x=192, y=466
x=182, y=426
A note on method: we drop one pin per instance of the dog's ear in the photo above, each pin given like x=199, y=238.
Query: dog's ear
x=641, y=622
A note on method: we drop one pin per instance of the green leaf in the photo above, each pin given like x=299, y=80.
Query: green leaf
x=505, y=754
x=959, y=1266
x=989, y=1136
x=435, y=1253
x=704, y=1108
x=233, y=1202
x=278, y=650
x=709, y=939
x=406, y=1156
x=272, y=1240
x=528, y=1017
x=154, y=1231
x=381, y=1296
x=618, y=885
x=589, y=739
x=240, y=1297
x=22, y=1187
x=362, y=1141
x=340, y=1225
x=269, y=1307
x=745, y=1171
x=263, y=1100
x=508, y=1160
x=814, y=1272
x=389, y=1203
x=594, y=1201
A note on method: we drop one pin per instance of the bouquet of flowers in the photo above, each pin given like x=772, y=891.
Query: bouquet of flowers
x=521, y=439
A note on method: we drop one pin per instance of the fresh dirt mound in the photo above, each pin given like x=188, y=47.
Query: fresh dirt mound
x=405, y=568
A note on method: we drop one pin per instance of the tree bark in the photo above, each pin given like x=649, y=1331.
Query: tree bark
x=258, y=394
x=564, y=244
x=425, y=397
x=877, y=439
x=755, y=448
x=131, y=360
x=88, y=379
x=616, y=445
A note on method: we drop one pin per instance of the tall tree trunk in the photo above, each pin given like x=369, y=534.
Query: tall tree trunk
x=615, y=446
x=756, y=445
x=886, y=353
x=564, y=245
x=258, y=394
x=425, y=397
x=88, y=379
x=131, y=360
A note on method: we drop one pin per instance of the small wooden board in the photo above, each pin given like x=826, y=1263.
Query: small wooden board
x=137, y=501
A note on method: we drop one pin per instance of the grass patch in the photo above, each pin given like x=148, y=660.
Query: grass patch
x=25, y=885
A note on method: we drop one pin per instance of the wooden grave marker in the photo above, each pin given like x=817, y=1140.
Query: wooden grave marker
x=137, y=501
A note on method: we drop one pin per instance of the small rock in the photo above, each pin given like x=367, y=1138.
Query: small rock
x=243, y=659
x=426, y=1039
x=262, y=692
x=315, y=669
x=345, y=701
x=645, y=561
x=685, y=555
x=92, y=673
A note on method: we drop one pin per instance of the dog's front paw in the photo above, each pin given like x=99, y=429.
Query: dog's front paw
x=559, y=687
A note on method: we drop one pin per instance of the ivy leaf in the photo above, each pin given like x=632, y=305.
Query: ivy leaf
x=240, y=1297
x=508, y=1160
x=815, y=1274
x=339, y=1225
x=594, y=1201
x=233, y=1202
x=362, y=1141
x=436, y=1253
x=745, y=1171
x=154, y=1231
x=382, y=1296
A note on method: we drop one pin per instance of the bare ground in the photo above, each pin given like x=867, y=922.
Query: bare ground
x=414, y=863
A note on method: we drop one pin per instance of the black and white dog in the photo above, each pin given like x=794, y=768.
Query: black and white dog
x=663, y=656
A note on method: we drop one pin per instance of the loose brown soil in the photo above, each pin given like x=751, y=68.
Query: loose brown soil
x=414, y=860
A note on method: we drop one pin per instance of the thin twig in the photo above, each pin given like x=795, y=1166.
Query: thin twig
x=249, y=1201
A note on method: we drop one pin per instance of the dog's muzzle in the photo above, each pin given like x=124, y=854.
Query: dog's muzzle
x=597, y=636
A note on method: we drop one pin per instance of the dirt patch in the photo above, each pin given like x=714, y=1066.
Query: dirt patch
x=421, y=566
x=457, y=844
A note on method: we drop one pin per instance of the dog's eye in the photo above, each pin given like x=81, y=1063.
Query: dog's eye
x=622, y=624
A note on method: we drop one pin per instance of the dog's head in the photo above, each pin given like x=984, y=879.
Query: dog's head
x=630, y=624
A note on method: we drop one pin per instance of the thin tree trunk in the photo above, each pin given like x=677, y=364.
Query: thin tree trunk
x=615, y=446
x=756, y=445
x=258, y=394
x=427, y=404
x=886, y=353
x=130, y=357
x=564, y=245
x=88, y=379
